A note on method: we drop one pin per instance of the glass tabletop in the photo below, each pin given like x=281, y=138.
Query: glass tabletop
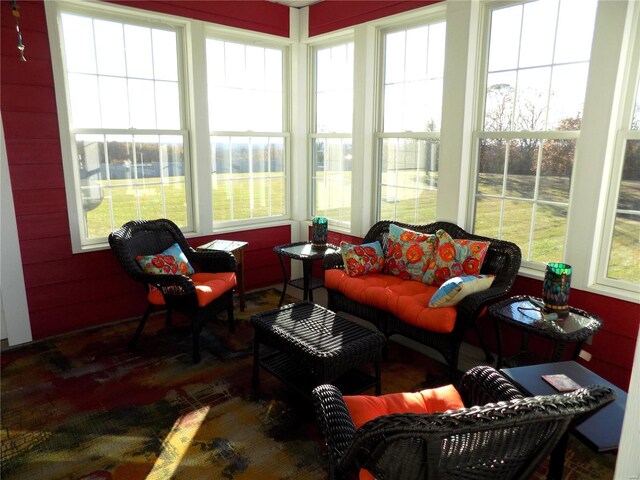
x=306, y=250
x=529, y=315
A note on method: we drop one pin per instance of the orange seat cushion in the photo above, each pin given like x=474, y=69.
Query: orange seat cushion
x=406, y=299
x=209, y=286
x=363, y=408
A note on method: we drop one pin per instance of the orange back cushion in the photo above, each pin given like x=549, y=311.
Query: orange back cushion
x=363, y=408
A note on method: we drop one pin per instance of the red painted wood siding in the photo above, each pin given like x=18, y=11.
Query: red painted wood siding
x=330, y=15
x=259, y=16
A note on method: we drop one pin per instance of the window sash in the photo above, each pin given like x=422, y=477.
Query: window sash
x=535, y=227
x=95, y=202
x=330, y=139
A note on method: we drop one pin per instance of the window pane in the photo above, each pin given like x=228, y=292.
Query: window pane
x=624, y=258
x=139, y=51
x=500, y=101
x=556, y=170
x=165, y=55
x=248, y=177
x=334, y=89
x=532, y=97
x=549, y=234
x=488, y=217
x=142, y=103
x=491, y=167
x=332, y=178
x=409, y=179
x=110, y=48
x=505, y=38
x=79, y=51
x=85, y=101
x=167, y=105
x=568, y=88
x=521, y=171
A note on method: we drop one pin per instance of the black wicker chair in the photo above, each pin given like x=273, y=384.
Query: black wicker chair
x=150, y=237
x=504, y=440
x=502, y=260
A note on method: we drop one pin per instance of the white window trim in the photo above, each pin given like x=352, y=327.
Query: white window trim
x=625, y=95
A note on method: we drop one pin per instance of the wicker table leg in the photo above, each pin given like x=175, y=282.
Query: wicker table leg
x=255, y=377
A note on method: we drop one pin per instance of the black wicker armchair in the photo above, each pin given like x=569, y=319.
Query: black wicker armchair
x=504, y=440
x=502, y=260
x=178, y=292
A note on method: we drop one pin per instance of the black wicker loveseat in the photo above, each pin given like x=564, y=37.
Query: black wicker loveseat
x=502, y=260
x=499, y=435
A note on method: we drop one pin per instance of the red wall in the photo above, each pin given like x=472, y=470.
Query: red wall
x=330, y=15
x=259, y=16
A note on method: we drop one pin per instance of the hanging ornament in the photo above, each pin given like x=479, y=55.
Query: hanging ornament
x=16, y=13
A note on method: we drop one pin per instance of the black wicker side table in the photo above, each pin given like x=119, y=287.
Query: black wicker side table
x=307, y=254
x=310, y=345
x=520, y=313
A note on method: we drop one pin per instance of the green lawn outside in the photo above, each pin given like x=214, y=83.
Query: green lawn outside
x=232, y=200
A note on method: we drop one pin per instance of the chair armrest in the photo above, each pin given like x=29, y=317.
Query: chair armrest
x=178, y=291
x=332, y=260
x=335, y=422
x=483, y=384
x=471, y=306
x=212, y=261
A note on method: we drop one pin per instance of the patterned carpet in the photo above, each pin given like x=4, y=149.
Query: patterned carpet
x=82, y=407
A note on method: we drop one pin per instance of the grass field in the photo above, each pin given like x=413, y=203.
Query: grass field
x=238, y=198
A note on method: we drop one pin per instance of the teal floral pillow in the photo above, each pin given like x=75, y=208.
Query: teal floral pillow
x=362, y=259
x=454, y=258
x=454, y=290
x=172, y=261
x=408, y=252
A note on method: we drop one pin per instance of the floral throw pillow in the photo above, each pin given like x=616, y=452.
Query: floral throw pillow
x=454, y=258
x=362, y=259
x=408, y=252
x=172, y=261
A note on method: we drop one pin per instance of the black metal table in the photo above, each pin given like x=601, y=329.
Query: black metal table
x=307, y=253
x=309, y=345
x=520, y=313
x=601, y=431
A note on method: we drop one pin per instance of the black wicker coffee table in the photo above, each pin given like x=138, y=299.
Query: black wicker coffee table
x=308, y=345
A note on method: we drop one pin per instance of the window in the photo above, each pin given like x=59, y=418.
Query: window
x=622, y=260
x=246, y=119
x=409, y=142
x=127, y=122
x=535, y=83
x=331, y=143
